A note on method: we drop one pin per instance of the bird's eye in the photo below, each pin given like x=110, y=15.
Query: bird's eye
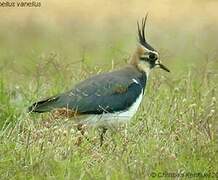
x=152, y=56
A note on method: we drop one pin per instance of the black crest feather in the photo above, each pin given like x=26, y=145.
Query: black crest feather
x=141, y=34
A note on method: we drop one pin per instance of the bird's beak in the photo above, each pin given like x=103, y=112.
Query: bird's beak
x=164, y=67
x=158, y=64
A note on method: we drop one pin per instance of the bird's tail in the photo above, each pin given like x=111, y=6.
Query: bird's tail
x=44, y=105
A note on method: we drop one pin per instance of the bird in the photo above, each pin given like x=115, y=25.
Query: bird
x=109, y=99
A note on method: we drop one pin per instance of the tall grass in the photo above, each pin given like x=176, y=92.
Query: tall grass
x=174, y=131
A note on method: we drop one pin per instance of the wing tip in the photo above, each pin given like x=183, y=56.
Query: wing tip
x=42, y=106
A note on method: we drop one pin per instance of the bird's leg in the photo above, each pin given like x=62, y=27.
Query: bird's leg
x=81, y=129
x=81, y=133
x=104, y=130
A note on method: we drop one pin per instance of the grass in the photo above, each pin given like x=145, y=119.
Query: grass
x=174, y=131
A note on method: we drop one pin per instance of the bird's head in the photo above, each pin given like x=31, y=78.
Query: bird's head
x=146, y=57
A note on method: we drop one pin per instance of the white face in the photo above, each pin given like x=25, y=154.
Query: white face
x=147, y=59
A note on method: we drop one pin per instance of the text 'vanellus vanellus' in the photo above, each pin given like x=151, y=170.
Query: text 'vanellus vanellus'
x=107, y=99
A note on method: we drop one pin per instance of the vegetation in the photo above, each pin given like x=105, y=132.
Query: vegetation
x=174, y=131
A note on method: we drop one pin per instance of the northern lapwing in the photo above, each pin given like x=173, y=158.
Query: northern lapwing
x=108, y=99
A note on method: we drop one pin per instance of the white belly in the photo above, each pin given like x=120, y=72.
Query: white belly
x=113, y=119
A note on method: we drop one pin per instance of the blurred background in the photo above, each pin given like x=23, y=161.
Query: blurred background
x=46, y=50
x=104, y=33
